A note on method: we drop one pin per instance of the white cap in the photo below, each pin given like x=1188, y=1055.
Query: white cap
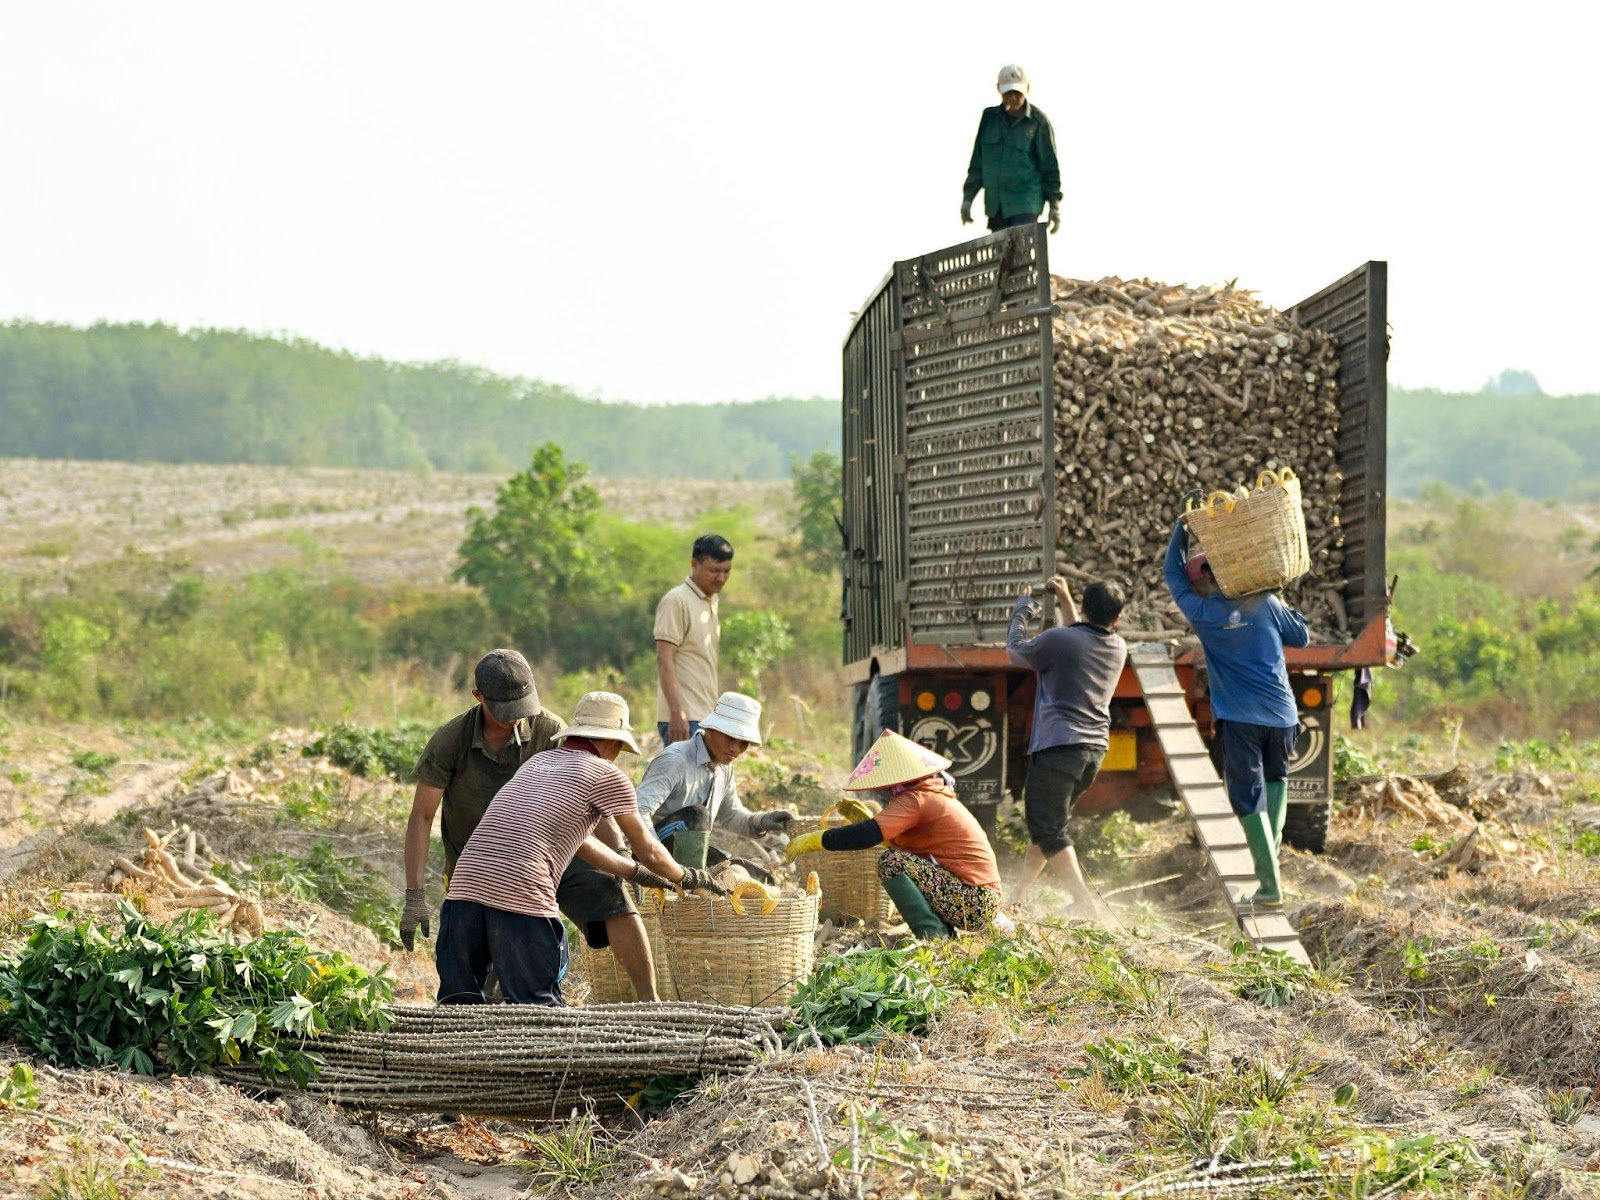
x=736, y=715
x=1012, y=79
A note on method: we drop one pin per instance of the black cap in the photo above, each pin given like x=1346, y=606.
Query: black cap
x=505, y=681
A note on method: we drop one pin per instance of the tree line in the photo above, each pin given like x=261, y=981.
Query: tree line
x=154, y=393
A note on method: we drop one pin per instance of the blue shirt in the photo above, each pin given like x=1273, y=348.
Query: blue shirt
x=1078, y=668
x=1243, y=640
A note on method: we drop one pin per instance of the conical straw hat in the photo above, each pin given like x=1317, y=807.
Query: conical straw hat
x=894, y=759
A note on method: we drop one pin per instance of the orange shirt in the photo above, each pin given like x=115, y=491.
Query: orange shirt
x=926, y=819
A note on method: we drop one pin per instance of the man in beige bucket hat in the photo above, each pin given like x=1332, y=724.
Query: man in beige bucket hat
x=689, y=788
x=501, y=909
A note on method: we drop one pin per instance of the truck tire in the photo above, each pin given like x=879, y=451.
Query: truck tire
x=1305, y=826
x=877, y=708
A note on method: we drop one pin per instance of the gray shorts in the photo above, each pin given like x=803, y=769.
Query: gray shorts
x=588, y=897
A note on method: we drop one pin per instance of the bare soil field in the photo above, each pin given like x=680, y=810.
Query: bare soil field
x=1447, y=1043
x=382, y=526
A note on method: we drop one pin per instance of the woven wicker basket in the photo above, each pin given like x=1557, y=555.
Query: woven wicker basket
x=850, y=885
x=1255, y=542
x=608, y=982
x=706, y=951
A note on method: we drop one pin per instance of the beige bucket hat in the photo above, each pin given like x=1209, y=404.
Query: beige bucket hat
x=602, y=717
x=894, y=759
x=738, y=716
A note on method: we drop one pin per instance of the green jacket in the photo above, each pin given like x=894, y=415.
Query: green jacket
x=1014, y=163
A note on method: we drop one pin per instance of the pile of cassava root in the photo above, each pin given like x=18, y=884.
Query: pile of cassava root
x=1162, y=390
x=172, y=875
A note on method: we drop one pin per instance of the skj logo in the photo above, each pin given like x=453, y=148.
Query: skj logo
x=968, y=747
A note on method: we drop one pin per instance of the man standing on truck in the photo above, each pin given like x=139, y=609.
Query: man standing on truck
x=1014, y=160
x=1078, y=664
x=687, y=636
x=464, y=764
x=1252, y=704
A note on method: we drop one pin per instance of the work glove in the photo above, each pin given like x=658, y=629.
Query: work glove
x=806, y=843
x=1055, y=217
x=966, y=212
x=645, y=877
x=854, y=810
x=415, y=913
x=698, y=879
x=775, y=821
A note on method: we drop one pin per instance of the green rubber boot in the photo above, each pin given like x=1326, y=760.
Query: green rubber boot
x=689, y=847
x=1277, y=807
x=916, y=910
x=1264, y=853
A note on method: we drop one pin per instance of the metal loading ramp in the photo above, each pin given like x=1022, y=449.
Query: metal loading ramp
x=1205, y=799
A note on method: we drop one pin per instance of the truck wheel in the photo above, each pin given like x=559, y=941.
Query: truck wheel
x=877, y=708
x=1305, y=826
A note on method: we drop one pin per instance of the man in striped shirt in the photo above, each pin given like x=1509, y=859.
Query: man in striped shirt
x=501, y=907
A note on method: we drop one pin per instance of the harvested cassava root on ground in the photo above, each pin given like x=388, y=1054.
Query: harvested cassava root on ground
x=169, y=870
x=1162, y=390
x=530, y=1061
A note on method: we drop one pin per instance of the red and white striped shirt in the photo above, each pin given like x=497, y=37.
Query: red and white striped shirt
x=533, y=827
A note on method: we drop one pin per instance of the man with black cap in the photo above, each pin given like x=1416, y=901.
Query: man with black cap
x=465, y=763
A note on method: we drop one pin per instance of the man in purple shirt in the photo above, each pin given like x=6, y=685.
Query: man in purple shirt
x=1078, y=665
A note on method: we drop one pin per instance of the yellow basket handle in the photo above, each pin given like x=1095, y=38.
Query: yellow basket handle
x=1226, y=498
x=1266, y=479
x=813, y=884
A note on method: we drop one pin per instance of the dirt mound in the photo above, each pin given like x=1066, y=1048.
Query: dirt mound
x=1527, y=1008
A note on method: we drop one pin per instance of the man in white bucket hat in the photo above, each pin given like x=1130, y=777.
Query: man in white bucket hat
x=501, y=908
x=689, y=788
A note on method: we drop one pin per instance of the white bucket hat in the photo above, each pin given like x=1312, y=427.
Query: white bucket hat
x=601, y=717
x=736, y=715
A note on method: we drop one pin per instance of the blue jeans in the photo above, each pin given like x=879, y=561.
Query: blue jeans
x=1252, y=757
x=662, y=727
x=529, y=954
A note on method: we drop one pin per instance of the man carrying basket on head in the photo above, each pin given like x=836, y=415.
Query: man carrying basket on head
x=1251, y=701
x=940, y=870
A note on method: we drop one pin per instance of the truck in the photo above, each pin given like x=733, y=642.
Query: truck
x=948, y=514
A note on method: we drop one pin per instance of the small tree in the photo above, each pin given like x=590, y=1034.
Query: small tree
x=818, y=483
x=538, y=549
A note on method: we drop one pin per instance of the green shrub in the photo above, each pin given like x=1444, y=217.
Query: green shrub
x=374, y=753
x=864, y=996
x=185, y=996
x=345, y=884
x=455, y=626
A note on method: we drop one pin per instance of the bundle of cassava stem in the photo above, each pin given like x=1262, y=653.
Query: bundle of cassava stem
x=1162, y=390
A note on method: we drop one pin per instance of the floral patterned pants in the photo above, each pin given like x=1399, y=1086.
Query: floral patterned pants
x=961, y=905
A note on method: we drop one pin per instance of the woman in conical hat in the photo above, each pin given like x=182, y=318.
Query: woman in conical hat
x=940, y=869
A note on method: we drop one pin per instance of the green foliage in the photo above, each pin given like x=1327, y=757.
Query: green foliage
x=537, y=551
x=579, y=1154
x=752, y=640
x=150, y=393
x=1109, y=842
x=864, y=996
x=868, y=994
x=95, y=762
x=1136, y=1067
x=1267, y=977
x=374, y=753
x=1349, y=760
x=184, y=996
x=819, y=492
x=345, y=884
x=18, y=1089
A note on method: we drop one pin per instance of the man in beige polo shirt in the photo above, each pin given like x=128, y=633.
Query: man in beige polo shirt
x=687, y=633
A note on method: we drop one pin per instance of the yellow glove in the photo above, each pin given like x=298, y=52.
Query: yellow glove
x=853, y=810
x=806, y=843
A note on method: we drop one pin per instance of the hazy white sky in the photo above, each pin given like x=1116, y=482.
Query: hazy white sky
x=686, y=202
